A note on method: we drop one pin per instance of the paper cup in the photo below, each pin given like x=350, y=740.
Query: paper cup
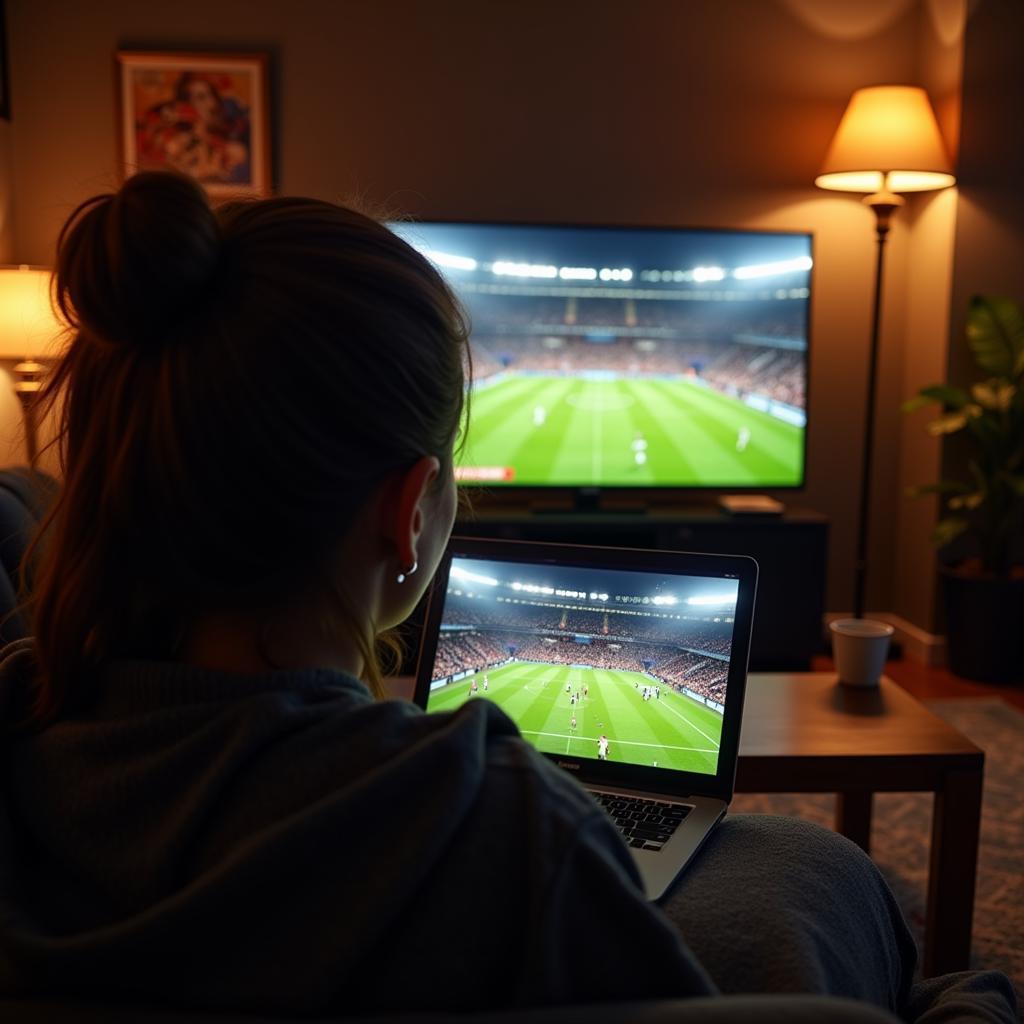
x=859, y=647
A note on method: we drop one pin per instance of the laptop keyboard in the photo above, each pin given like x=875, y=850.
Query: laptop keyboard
x=644, y=824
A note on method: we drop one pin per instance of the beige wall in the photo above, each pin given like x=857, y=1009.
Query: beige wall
x=709, y=113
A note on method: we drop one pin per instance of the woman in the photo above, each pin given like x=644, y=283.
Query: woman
x=209, y=803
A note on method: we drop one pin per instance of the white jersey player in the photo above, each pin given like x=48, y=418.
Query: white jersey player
x=639, y=447
x=540, y=414
x=742, y=439
x=602, y=748
x=486, y=682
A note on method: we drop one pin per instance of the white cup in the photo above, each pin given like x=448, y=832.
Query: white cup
x=859, y=647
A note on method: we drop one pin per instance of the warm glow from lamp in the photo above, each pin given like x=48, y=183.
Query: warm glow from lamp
x=887, y=141
x=28, y=326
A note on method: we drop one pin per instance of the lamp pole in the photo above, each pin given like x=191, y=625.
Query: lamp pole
x=27, y=387
x=884, y=204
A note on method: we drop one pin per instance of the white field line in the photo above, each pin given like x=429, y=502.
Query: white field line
x=689, y=723
x=622, y=743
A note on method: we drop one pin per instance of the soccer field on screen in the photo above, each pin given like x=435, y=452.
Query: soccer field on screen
x=670, y=732
x=569, y=431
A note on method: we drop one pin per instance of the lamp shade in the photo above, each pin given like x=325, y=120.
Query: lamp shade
x=888, y=140
x=28, y=326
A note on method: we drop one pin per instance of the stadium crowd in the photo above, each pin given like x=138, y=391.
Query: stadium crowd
x=703, y=635
x=736, y=369
x=457, y=652
x=705, y=676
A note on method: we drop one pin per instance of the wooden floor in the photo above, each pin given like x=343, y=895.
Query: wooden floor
x=936, y=683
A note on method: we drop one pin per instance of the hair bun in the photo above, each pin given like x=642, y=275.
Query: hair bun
x=132, y=265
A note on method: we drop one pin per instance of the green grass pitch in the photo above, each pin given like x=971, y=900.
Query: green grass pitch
x=589, y=427
x=673, y=732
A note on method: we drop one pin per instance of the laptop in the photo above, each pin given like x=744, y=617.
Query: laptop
x=627, y=668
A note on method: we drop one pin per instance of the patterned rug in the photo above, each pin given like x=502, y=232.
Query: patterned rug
x=901, y=833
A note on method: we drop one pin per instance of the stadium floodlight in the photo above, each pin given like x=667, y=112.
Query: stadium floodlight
x=616, y=274
x=472, y=577
x=702, y=274
x=771, y=269
x=665, y=599
x=711, y=599
x=577, y=273
x=507, y=268
x=449, y=260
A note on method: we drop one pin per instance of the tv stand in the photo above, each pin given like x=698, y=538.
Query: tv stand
x=586, y=500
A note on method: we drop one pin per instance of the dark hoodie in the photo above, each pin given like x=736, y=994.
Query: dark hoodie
x=283, y=842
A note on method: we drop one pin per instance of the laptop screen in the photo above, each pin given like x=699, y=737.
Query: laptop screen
x=617, y=665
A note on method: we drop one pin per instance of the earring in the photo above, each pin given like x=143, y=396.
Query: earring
x=403, y=576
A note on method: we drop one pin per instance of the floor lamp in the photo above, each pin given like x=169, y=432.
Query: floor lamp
x=888, y=142
x=28, y=333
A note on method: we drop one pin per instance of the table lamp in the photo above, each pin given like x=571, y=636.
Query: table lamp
x=29, y=333
x=887, y=142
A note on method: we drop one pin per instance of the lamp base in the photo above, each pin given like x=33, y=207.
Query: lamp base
x=885, y=204
x=27, y=386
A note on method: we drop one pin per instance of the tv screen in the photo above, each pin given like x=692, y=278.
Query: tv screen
x=630, y=357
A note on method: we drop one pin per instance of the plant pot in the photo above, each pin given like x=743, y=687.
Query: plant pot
x=984, y=626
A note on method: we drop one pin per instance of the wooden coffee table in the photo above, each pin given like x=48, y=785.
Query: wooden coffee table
x=805, y=733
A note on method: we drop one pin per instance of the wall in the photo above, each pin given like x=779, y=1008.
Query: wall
x=924, y=347
x=704, y=114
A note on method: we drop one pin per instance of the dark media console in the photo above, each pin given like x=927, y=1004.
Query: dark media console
x=790, y=550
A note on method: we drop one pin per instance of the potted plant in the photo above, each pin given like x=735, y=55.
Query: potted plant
x=981, y=530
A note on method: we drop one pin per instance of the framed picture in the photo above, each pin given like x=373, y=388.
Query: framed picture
x=204, y=114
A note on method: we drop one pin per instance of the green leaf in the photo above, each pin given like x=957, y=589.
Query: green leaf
x=915, y=403
x=942, y=487
x=955, y=398
x=948, y=530
x=1015, y=481
x=952, y=398
x=995, y=333
x=949, y=423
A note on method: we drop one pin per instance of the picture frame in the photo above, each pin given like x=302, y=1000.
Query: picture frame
x=206, y=115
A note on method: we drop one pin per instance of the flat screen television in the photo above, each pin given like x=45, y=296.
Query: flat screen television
x=615, y=357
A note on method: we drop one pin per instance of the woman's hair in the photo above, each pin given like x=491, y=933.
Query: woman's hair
x=237, y=382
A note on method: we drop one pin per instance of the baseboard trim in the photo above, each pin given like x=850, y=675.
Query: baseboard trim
x=920, y=645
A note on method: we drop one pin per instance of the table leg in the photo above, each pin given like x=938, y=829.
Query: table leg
x=956, y=825
x=853, y=817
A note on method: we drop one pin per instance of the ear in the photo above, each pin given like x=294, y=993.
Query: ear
x=404, y=514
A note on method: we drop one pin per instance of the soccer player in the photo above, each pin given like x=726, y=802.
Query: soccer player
x=540, y=414
x=572, y=722
x=486, y=682
x=568, y=688
x=586, y=691
x=572, y=700
x=742, y=439
x=639, y=447
x=473, y=688
x=602, y=748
